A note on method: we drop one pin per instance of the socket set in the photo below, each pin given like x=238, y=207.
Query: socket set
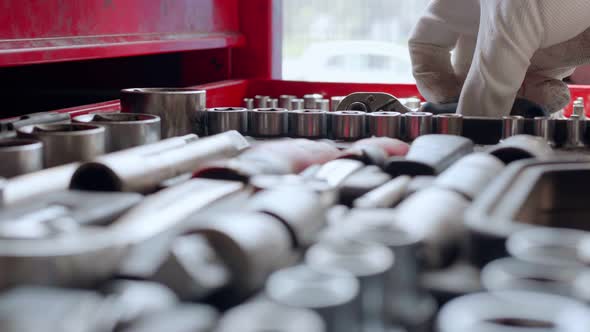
x=362, y=213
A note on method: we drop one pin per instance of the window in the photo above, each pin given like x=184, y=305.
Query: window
x=349, y=40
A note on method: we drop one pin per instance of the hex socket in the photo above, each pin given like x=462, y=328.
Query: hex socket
x=125, y=130
x=348, y=125
x=545, y=128
x=66, y=143
x=308, y=124
x=385, y=124
x=512, y=126
x=182, y=111
x=417, y=124
x=20, y=156
x=222, y=119
x=449, y=124
x=268, y=122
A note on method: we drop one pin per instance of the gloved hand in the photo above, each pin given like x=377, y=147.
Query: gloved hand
x=502, y=49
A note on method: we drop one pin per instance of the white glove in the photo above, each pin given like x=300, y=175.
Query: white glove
x=502, y=49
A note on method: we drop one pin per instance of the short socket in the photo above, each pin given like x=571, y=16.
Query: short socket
x=181, y=111
x=512, y=125
x=297, y=104
x=417, y=124
x=348, y=125
x=222, y=119
x=20, y=156
x=268, y=122
x=310, y=100
x=449, y=124
x=335, y=102
x=576, y=129
x=248, y=103
x=385, y=124
x=125, y=130
x=66, y=143
x=273, y=103
x=261, y=101
x=323, y=104
x=285, y=101
x=308, y=124
x=545, y=128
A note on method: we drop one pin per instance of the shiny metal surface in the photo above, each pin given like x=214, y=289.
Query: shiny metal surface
x=182, y=111
x=125, y=130
x=285, y=101
x=34, y=119
x=248, y=103
x=261, y=101
x=512, y=125
x=273, y=103
x=309, y=100
x=449, y=124
x=323, y=104
x=576, y=129
x=332, y=294
x=66, y=143
x=385, y=124
x=545, y=128
x=372, y=102
x=20, y=156
x=308, y=123
x=297, y=104
x=144, y=170
x=417, y=124
x=348, y=125
x=335, y=102
x=520, y=147
x=222, y=119
x=268, y=122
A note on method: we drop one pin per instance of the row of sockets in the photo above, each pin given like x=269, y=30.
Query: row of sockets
x=339, y=125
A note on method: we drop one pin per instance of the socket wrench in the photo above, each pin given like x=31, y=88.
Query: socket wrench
x=333, y=294
x=66, y=143
x=182, y=111
x=370, y=102
x=268, y=122
x=222, y=119
x=20, y=156
x=144, y=172
x=430, y=155
x=521, y=147
x=125, y=130
x=512, y=311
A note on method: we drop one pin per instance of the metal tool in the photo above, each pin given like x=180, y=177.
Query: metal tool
x=285, y=101
x=182, y=111
x=265, y=315
x=371, y=263
x=297, y=104
x=471, y=174
x=125, y=130
x=512, y=125
x=576, y=130
x=372, y=102
x=308, y=123
x=511, y=311
x=251, y=245
x=412, y=103
x=385, y=196
x=261, y=101
x=301, y=286
x=322, y=104
x=182, y=318
x=33, y=119
x=385, y=124
x=348, y=125
x=335, y=103
x=144, y=172
x=273, y=103
x=515, y=274
x=417, y=124
x=298, y=208
x=248, y=103
x=268, y=122
x=20, y=156
x=550, y=246
x=449, y=124
x=430, y=155
x=66, y=143
x=578, y=108
x=309, y=100
x=545, y=128
x=222, y=119
x=521, y=147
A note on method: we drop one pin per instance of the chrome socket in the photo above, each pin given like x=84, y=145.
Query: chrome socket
x=348, y=125
x=20, y=156
x=323, y=104
x=308, y=124
x=299, y=287
x=248, y=103
x=417, y=124
x=285, y=101
x=261, y=101
x=545, y=128
x=335, y=102
x=576, y=129
x=297, y=104
x=512, y=126
x=222, y=119
x=66, y=143
x=273, y=103
x=182, y=111
x=268, y=122
x=125, y=130
x=449, y=124
x=385, y=124
x=311, y=99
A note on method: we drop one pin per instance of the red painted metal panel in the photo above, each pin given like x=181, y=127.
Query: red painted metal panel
x=39, y=31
